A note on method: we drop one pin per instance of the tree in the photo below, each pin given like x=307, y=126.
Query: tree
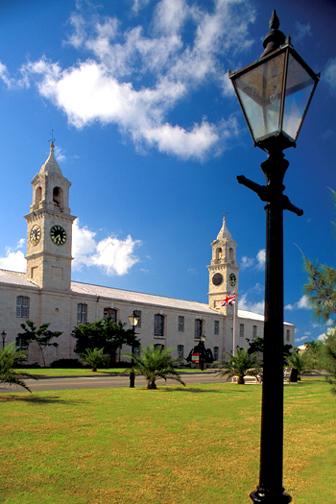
x=42, y=336
x=299, y=363
x=10, y=357
x=103, y=334
x=321, y=286
x=321, y=293
x=94, y=358
x=329, y=357
x=314, y=354
x=256, y=345
x=154, y=364
x=240, y=365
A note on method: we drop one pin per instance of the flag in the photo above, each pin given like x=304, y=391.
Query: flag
x=229, y=300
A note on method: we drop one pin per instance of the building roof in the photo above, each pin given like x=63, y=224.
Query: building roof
x=51, y=164
x=138, y=297
x=15, y=278
x=19, y=279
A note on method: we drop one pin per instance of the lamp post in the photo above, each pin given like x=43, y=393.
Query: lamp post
x=3, y=335
x=274, y=93
x=133, y=320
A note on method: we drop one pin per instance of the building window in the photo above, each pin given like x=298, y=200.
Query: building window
x=22, y=307
x=137, y=313
x=158, y=325
x=180, y=325
x=241, y=330
x=137, y=351
x=216, y=327
x=21, y=343
x=216, y=353
x=288, y=335
x=180, y=351
x=110, y=313
x=158, y=346
x=81, y=313
x=254, y=332
x=198, y=328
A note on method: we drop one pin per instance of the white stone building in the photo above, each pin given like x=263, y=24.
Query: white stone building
x=45, y=293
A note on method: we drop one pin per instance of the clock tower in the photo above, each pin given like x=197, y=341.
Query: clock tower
x=223, y=270
x=49, y=228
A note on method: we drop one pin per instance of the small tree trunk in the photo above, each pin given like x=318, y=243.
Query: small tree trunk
x=151, y=385
x=293, y=377
x=94, y=369
x=240, y=380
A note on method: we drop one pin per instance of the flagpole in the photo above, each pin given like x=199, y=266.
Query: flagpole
x=234, y=331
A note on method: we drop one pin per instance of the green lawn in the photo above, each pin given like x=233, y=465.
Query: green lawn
x=175, y=445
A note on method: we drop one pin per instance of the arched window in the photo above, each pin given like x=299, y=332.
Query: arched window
x=22, y=307
x=81, y=313
x=231, y=254
x=110, y=313
x=58, y=196
x=198, y=328
x=180, y=351
x=218, y=254
x=158, y=346
x=159, y=325
x=216, y=353
x=38, y=195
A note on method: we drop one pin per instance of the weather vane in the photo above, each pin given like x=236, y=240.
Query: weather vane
x=52, y=138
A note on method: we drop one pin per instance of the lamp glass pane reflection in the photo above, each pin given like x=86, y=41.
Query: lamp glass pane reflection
x=299, y=87
x=260, y=92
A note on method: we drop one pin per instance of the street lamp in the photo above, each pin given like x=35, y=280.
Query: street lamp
x=133, y=320
x=274, y=93
x=3, y=335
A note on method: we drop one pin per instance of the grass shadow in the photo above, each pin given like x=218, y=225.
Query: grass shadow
x=193, y=390
x=34, y=399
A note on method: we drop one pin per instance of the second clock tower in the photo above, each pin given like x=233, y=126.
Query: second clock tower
x=223, y=270
x=49, y=233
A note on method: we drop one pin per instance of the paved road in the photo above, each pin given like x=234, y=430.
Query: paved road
x=85, y=382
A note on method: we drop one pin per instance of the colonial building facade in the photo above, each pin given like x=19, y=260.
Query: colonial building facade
x=46, y=293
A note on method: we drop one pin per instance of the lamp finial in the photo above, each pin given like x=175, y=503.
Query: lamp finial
x=275, y=38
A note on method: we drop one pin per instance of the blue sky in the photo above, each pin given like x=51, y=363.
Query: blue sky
x=151, y=136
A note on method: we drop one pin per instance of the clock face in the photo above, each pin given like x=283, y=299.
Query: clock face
x=217, y=279
x=58, y=235
x=35, y=234
x=232, y=279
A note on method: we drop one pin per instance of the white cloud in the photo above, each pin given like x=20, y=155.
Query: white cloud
x=112, y=255
x=256, y=307
x=257, y=262
x=301, y=304
x=303, y=338
x=330, y=74
x=322, y=337
x=261, y=258
x=14, y=260
x=302, y=31
x=134, y=79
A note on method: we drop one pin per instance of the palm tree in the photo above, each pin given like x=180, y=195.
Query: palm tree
x=155, y=363
x=9, y=358
x=299, y=364
x=240, y=365
x=94, y=358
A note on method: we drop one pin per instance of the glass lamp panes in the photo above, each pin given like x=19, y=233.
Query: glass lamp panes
x=299, y=88
x=274, y=94
x=260, y=91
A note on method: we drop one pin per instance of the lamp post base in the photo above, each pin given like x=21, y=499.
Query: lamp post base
x=261, y=496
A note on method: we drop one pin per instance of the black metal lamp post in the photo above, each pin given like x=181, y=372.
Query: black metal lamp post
x=274, y=93
x=133, y=320
x=3, y=335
